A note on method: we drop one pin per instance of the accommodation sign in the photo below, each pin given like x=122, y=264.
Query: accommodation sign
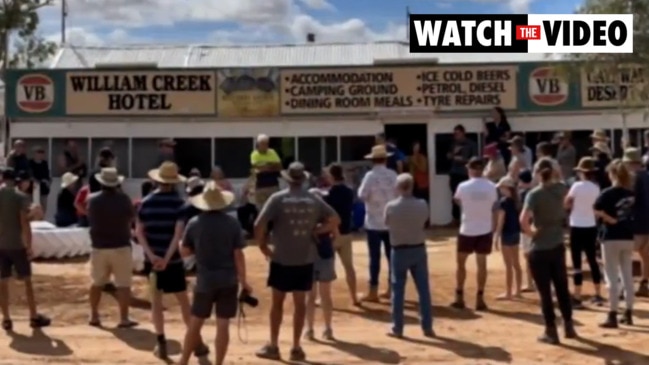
x=613, y=88
x=367, y=90
x=173, y=92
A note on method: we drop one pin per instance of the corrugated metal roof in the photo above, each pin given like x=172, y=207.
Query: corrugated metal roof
x=232, y=56
x=262, y=55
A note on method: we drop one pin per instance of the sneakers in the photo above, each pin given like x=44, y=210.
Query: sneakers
x=577, y=303
x=550, y=336
x=327, y=334
x=160, y=350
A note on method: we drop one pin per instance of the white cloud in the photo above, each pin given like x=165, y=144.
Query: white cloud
x=114, y=22
x=318, y=4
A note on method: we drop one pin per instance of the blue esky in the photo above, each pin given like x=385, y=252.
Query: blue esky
x=113, y=22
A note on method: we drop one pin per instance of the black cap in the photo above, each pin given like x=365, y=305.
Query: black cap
x=8, y=174
x=525, y=176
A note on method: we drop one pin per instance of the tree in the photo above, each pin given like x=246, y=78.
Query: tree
x=19, y=19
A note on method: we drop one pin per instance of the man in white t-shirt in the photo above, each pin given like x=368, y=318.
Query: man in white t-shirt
x=477, y=197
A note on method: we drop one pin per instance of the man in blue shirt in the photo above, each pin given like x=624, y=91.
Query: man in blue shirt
x=159, y=229
x=397, y=158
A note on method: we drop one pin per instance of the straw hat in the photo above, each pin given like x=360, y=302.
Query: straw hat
x=599, y=135
x=167, y=173
x=212, y=198
x=68, y=179
x=601, y=147
x=507, y=182
x=295, y=173
x=379, y=151
x=632, y=155
x=586, y=164
x=109, y=177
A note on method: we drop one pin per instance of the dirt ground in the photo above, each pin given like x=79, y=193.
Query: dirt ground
x=505, y=334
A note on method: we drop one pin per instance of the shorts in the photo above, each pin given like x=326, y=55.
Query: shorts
x=15, y=260
x=171, y=280
x=343, y=246
x=480, y=245
x=324, y=270
x=510, y=239
x=262, y=195
x=224, y=302
x=111, y=261
x=289, y=279
x=526, y=243
x=641, y=241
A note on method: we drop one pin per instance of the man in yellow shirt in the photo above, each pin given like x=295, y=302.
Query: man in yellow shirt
x=266, y=165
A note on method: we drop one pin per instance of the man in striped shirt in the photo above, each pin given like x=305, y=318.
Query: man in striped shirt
x=159, y=229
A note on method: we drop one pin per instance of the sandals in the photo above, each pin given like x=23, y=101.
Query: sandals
x=39, y=321
x=7, y=325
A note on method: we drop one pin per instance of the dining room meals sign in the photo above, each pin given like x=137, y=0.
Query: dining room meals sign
x=372, y=89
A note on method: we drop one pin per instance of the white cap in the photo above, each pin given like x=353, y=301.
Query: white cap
x=262, y=138
x=405, y=180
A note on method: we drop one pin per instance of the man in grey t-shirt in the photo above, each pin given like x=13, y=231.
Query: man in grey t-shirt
x=298, y=217
x=216, y=240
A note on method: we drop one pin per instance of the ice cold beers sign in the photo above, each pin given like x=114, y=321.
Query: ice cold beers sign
x=141, y=93
x=367, y=90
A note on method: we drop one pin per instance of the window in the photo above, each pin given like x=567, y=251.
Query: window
x=331, y=150
x=233, y=156
x=144, y=156
x=285, y=148
x=310, y=151
x=58, y=145
x=355, y=148
x=443, y=145
x=194, y=153
x=32, y=143
x=119, y=147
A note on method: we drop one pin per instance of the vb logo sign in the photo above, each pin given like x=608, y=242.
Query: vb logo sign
x=35, y=93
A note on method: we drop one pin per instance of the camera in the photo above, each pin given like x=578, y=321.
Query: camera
x=246, y=298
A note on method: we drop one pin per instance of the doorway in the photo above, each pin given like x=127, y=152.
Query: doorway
x=404, y=136
x=193, y=153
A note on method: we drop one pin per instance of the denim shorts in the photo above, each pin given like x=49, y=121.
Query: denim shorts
x=510, y=239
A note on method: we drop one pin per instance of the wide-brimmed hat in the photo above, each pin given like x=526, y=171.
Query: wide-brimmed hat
x=109, y=177
x=507, y=182
x=378, y=152
x=295, y=173
x=586, y=164
x=212, y=198
x=599, y=134
x=167, y=173
x=632, y=155
x=601, y=147
x=68, y=179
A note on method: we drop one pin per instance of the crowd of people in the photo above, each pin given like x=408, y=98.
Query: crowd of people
x=502, y=201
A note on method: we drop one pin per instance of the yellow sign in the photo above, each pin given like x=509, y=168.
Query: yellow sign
x=367, y=90
x=141, y=93
x=248, y=93
x=608, y=89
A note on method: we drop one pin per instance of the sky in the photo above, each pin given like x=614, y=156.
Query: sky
x=228, y=22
